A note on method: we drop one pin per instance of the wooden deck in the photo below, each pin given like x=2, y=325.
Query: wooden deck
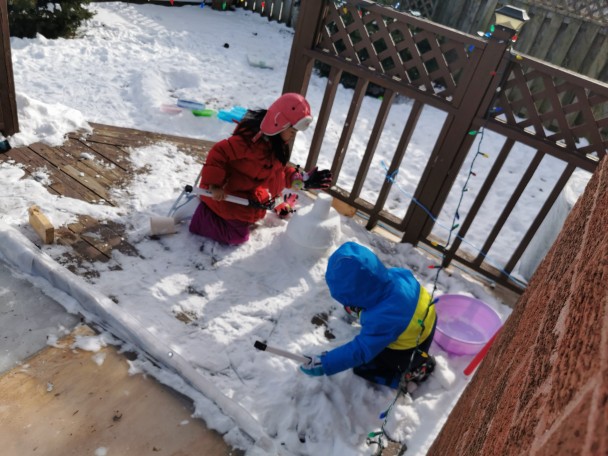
x=87, y=409
x=74, y=174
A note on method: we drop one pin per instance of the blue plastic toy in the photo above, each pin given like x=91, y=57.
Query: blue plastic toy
x=235, y=114
x=188, y=104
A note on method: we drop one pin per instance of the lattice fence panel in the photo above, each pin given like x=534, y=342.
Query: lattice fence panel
x=424, y=8
x=548, y=104
x=393, y=47
x=591, y=9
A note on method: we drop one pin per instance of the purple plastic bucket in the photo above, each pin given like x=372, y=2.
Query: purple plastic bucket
x=464, y=324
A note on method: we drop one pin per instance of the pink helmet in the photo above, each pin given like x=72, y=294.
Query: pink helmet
x=289, y=110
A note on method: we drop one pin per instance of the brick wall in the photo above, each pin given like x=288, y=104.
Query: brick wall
x=543, y=387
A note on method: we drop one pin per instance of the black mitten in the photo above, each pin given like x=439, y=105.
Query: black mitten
x=317, y=179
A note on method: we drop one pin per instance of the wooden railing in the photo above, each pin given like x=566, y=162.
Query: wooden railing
x=479, y=84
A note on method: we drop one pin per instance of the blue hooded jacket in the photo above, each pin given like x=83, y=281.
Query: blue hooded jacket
x=389, y=298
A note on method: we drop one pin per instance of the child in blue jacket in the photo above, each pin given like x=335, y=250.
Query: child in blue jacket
x=391, y=305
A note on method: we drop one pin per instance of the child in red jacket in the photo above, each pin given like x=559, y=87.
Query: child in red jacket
x=252, y=164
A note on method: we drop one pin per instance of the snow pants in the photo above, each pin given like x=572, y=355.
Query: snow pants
x=388, y=367
x=207, y=223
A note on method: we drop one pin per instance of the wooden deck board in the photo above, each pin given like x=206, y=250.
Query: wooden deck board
x=74, y=168
x=105, y=169
x=129, y=137
x=70, y=402
x=112, y=154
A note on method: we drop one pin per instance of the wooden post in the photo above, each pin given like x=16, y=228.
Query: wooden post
x=300, y=65
x=9, y=124
x=454, y=143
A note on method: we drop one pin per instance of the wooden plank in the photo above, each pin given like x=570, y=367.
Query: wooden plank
x=88, y=224
x=116, y=140
x=54, y=188
x=83, y=251
x=563, y=41
x=581, y=47
x=343, y=208
x=114, y=235
x=61, y=182
x=69, y=402
x=100, y=168
x=531, y=30
x=112, y=153
x=448, y=13
x=74, y=169
x=103, y=236
x=145, y=136
x=551, y=28
x=486, y=16
x=276, y=9
x=597, y=59
x=470, y=12
x=287, y=13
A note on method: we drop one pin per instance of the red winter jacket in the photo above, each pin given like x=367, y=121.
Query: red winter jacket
x=240, y=167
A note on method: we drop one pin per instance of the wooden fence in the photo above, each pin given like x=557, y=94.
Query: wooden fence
x=283, y=11
x=569, y=33
x=478, y=84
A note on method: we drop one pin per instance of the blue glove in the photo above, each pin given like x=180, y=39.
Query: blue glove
x=354, y=312
x=313, y=367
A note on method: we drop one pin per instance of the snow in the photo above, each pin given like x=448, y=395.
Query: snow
x=195, y=306
x=29, y=319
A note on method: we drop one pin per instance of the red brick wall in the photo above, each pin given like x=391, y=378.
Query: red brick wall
x=543, y=387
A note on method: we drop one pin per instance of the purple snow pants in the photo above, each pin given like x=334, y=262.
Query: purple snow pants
x=207, y=223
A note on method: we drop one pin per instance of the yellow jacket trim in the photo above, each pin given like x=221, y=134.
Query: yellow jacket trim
x=407, y=339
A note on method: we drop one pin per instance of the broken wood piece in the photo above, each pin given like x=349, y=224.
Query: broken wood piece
x=41, y=225
x=343, y=208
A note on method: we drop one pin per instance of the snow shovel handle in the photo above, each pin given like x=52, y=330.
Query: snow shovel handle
x=277, y=351
x=234, y=199
x=206, y=192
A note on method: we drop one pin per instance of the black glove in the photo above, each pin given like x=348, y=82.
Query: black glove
x=317, y=179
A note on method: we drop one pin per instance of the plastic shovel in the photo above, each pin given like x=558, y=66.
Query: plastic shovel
x=277, y=351
x=166, y=225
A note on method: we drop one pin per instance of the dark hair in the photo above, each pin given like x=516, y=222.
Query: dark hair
x=249, y=126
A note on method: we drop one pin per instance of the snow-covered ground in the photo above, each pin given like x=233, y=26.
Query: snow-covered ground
x=199, y=305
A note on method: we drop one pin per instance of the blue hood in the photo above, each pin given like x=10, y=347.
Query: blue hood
x=356, y=277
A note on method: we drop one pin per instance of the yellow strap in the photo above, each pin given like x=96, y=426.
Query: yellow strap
x=407, y=339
